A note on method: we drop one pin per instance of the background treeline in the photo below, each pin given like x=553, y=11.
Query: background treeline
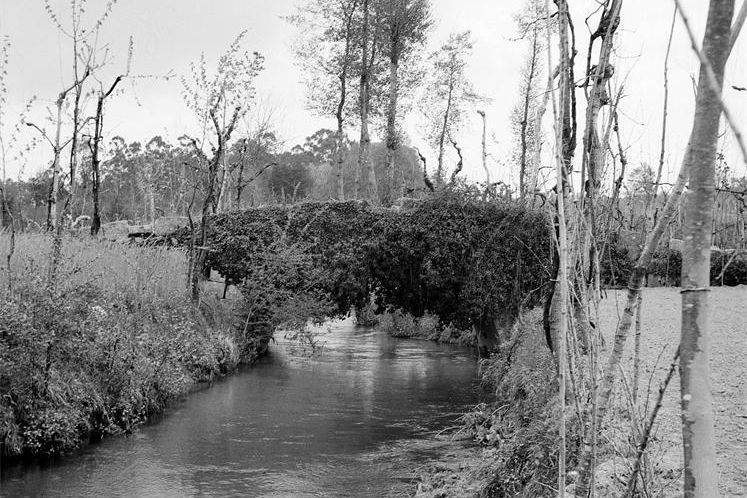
x=142, y=182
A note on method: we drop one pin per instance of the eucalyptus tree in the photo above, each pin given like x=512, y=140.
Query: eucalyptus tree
x=218, y=98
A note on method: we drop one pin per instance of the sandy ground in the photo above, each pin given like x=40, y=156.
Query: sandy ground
x=660, y=332
x=459, y=470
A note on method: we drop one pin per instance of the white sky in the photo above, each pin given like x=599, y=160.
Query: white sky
x=168, y=34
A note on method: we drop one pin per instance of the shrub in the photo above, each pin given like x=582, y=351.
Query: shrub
x=333, y=235
x=521, y=425
x=398, y=323
x=615, y=263
x=110, y=345
x=462, y=259
x=667, y=266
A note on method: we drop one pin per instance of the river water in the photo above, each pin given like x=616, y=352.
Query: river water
x=335, y=422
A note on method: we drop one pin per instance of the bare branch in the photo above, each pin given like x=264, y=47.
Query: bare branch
x=737, y=26
x=713, y=82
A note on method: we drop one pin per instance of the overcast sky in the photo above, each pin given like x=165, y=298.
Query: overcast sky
x=168, y=34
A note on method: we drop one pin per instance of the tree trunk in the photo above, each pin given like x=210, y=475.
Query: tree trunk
x=95, y=166
x=442, y=136
x=392, y=141
x=363, y=101
x=340, y=113
x=54, y=190
x=533, y=174
x=702, y=139
x=98, y=135
x=198, y=257
x=207, y=205
x=484, y=154
x=239, y=185
x=701, y=474
x=525, y=117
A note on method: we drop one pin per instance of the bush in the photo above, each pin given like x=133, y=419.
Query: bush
x=667, y=266
x=615, y=263
x=334, y=236
x=99, y=353
x=734, y=267
x=521, y=425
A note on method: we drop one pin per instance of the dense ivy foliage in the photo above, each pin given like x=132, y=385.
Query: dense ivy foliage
x=463, y=260
x=336, y=237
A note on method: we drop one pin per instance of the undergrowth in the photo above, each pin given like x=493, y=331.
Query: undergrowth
x=110, y=344
x=398, y=323
x=520, y=423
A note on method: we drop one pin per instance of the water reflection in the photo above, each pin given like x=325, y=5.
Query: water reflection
x=293, y=425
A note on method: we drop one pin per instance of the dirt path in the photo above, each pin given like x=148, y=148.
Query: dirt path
x=661, y=329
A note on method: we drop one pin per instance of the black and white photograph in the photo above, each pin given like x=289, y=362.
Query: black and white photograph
x=373, y=248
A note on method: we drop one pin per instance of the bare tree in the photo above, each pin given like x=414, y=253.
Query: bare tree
x=700, y=150
x=94, y=145
x=57, y=146
x=368, y=45
x=560, y=107
x=448, y=94
x=522, y=116
x=218, y=101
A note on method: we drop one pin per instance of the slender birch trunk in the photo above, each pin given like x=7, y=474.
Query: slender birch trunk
x=702, y=140
x=701, y=474
x=560, y=116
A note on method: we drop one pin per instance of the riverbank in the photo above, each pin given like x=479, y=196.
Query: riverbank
x=110, y=344
x=485, y=463
x=354, y=415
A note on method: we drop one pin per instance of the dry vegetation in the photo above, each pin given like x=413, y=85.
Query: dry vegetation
x=661, y=329
x=465, y=471
x=146, y=272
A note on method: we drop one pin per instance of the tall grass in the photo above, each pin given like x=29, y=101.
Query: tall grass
x=109, y=344
x=145, y=272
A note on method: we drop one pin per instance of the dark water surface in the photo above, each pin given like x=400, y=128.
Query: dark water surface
x=296, y=424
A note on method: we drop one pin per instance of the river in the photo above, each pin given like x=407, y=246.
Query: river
x=335, y=422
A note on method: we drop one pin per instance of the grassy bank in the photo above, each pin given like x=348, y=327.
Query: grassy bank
x=110, y=344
